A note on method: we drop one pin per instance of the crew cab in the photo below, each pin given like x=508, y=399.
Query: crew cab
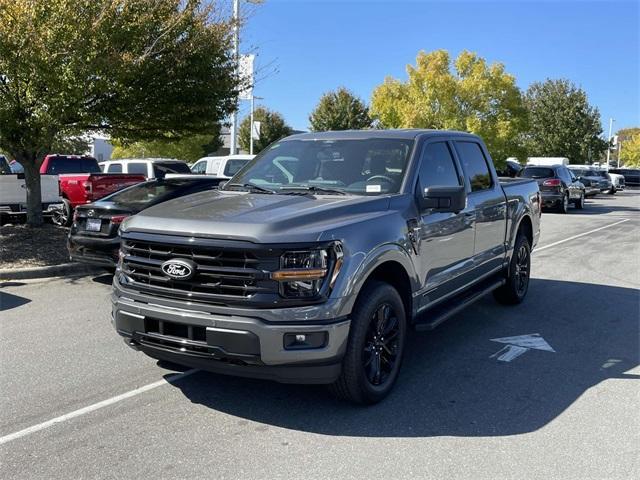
x=149, y=167
x=81, y=182
x=317, y=260
x=222, y=167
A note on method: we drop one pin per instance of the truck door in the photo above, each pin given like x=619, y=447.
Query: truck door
x=487, y=199
x=446, y=239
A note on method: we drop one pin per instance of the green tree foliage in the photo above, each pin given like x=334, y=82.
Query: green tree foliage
x=562, y=123
x=629, y=147
x=469, y=95
x=272, y=128
x=135, y=69
x=340, y=110
x=189, y=149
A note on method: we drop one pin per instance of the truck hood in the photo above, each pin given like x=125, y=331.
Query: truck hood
x=258, y=218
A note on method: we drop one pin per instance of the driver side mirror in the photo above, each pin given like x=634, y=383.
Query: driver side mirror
x=444, y=199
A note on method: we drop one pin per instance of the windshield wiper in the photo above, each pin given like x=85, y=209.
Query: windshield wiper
x=313, y=189
x=252, y=187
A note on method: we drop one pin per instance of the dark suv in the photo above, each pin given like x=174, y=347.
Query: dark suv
x=558, y=186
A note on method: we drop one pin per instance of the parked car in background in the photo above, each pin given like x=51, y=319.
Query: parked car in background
x=93, y=237
x=13, y=193
x=315, y=262
x=149, y=167
x=617, y=181
x=223, y=167
x=592, y=180
x=81, y=182
x=510, y=169
x=631, y=175
x=558, y=186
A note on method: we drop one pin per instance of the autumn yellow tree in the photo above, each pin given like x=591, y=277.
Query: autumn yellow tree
x=468, y=95
x=630, y=151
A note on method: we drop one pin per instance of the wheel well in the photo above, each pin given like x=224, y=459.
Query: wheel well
x=527, y=229
x=395, y=275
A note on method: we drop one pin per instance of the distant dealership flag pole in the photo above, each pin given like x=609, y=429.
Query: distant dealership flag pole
x=611, y=120
x=236, y=41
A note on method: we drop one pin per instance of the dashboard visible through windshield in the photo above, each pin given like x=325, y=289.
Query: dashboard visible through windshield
x=358, y=167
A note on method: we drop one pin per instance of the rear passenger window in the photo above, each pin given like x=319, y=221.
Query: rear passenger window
x=138, y=167
x=114, y=168
x=437, y=167
x=474, y=165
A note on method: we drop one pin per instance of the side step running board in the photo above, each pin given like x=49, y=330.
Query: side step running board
x=440, y=313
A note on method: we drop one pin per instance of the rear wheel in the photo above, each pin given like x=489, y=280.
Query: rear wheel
x=375, y=347
x=563, y=207
x=612, y=191
x=514, y=291
x=63, y=216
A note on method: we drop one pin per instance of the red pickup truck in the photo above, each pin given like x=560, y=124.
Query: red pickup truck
x=81, y=181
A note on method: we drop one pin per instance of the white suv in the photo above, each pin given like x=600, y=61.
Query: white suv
x=149, y=167
x=222, y=167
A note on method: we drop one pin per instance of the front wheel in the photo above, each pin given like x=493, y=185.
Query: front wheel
x=375, y=347
x=580, y=202
x=514, y=291
x=612, y=191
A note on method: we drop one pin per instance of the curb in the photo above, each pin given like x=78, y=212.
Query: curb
x=50, y=271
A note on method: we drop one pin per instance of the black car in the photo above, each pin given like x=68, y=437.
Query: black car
x=558, y=186
x=94, y=234
x=631, y=175
x=510, y=169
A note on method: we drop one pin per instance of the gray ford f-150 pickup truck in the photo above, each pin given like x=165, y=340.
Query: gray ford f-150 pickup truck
x=317, y=259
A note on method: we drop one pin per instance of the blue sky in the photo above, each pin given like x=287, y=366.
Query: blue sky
x=305, y=48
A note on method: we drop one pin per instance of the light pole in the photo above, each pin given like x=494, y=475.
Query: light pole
x=236, y=46
x=253, y=97
x=611, y=120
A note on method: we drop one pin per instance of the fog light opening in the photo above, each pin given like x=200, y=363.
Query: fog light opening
x=305, y=341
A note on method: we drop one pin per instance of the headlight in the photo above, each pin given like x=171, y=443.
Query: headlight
x=305, y=273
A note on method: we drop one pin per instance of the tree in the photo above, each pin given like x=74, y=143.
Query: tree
x=134, y=69
x=189, y=149
x=562, y=123
x=468, y=95
x=340, y=110
x=272, y=128
x=630, y=147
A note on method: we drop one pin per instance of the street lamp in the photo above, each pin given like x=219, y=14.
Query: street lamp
x=611, y=120
x=236, y=56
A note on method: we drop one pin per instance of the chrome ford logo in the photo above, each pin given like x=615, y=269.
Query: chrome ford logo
x=179, y=269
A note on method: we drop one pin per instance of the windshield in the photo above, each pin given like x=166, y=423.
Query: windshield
x=537, y=172
x=578, y=172
x=370, y=166
x=154, y=191
x=61, y=165
x=233, y=166
x=160, y=168
x=5, y=169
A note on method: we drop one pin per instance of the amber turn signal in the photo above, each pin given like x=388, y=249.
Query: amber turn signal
x=299, y=274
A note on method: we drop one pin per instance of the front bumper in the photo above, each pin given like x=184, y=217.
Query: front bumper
x=233, y=342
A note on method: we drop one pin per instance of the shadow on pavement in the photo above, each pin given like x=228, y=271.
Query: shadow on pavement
x=9, y=301
x=105, y=279
x=450, y=386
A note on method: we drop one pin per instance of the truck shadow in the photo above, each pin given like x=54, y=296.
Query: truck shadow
x=450, y=386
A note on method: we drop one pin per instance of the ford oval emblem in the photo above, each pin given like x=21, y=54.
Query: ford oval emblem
x=179, y=269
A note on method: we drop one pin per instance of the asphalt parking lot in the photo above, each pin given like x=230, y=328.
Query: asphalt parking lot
x=78, y=403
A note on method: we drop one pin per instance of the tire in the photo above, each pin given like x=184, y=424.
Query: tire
x=580, y=202
x=612, y=191
x=518, y=274
x=64, y=217
x=378, y=311
x=563, y=207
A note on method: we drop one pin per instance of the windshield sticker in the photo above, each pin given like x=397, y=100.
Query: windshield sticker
x=374, y=188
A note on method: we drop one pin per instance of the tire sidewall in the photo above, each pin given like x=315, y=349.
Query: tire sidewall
x=521, y=240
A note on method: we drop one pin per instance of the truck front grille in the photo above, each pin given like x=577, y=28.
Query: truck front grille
x=225, y=272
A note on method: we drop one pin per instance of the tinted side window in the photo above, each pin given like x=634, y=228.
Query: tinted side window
x=475, y=165
x=114, y=168
x=234, y=166
x=437, y=167
x=137, y=167
x=199, y=167
x=170, y=167
x=564, y=174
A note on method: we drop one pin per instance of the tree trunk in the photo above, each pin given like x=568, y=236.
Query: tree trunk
x=34, y=195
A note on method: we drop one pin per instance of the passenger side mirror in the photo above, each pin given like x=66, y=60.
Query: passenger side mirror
x=444, y=199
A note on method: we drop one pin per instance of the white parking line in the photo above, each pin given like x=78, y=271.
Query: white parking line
x=578, y=236
x=95, y=406
x=178, y=376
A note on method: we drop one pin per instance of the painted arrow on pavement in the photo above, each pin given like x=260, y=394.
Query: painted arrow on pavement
x=516, y=346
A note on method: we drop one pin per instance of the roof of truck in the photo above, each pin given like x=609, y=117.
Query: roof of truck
x=407, y=134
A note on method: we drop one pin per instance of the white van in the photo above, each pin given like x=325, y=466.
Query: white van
x=547, y=161
x=149, y=167
x=222, y=167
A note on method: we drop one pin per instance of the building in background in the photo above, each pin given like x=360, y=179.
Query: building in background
x=100, y=148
